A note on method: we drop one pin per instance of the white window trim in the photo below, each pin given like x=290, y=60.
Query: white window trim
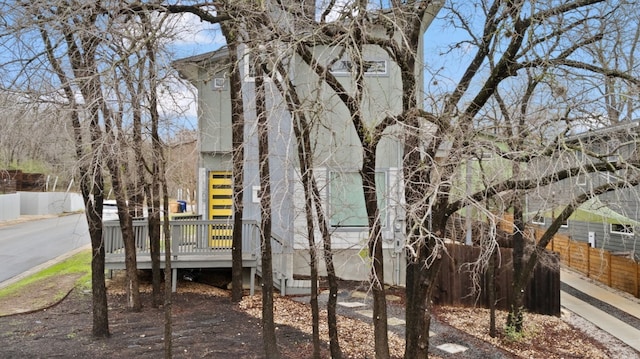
x=581, y=180
x=535, y=220
x=621, y=233
x=218, y=83
x=346, y=68
x=246, y=62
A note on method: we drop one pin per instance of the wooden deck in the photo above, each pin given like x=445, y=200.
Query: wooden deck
x=194, y=244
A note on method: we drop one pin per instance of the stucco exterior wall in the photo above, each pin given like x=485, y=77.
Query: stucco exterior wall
x=9, y=206
x=43, y=203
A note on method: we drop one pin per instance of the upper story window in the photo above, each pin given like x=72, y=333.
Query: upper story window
x=249, y=64
x=249, y=67
x=218, y=84
x=371, y=67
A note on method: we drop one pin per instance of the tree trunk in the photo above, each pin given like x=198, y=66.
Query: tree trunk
x=168, y=279
x=158, y=176
x=92, y=189
x=237, y=134
x=268, y=326
x=421, y=280
x=516, y=307
x=313, y=268
x=490, y=278
x=98, y=288
x=126, y=227
x=332, y=311
x=306, y=164
x=380, y=328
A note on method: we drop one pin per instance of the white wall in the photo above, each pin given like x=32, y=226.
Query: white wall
x=42, y=203
x=9, y=206
x=353, y=264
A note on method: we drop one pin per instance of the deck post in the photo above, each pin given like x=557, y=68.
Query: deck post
x=174, y=280
x=252, y=281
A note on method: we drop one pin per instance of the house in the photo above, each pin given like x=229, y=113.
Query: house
x=610, y=221
x=337, y=158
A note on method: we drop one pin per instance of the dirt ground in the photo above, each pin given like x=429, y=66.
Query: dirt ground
x=205, y=325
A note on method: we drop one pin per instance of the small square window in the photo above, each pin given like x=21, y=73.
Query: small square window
x=218, y=83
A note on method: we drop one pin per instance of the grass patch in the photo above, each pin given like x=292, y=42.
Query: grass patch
x=79, y=264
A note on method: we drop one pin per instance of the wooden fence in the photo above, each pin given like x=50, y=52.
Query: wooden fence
x=7, y=186
x=456, y=284
x=20, y=181
x=614, y=271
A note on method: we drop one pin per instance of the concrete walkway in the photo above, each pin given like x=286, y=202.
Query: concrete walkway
x=626, y=333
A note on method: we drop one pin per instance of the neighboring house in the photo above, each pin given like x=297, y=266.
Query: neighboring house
x=337, y=157
x=610, y=221
x=182, y=166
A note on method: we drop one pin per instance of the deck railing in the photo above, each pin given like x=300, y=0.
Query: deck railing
x=188, y=237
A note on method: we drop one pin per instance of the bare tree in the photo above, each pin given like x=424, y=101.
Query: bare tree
x=235, y=83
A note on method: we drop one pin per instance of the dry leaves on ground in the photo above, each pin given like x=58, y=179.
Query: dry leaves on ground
x=543, y=336
x=356, y=337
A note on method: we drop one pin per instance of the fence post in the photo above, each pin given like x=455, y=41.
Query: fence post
x=589, y=261
x=569, y=252
x=608, y=268
x=637, y=281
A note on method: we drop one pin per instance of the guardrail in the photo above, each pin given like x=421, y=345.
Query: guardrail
x=188, y=237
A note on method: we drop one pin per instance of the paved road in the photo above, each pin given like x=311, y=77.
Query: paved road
x=27, y=245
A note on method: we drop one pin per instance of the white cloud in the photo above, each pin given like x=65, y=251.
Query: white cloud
x=178, y=100
x=192, y=31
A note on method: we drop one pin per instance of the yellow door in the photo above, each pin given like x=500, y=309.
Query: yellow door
x=221, y=208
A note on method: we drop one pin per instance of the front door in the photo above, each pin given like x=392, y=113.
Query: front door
x=221, y=208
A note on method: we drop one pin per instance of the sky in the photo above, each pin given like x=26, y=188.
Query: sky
x=195, y=37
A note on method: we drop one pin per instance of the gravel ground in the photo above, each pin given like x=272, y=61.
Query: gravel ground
x=616, y=348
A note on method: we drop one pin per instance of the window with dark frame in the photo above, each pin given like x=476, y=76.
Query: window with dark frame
x=371, y=67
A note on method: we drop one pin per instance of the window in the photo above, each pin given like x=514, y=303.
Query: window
x=581, y=180
x=249, y=67
x=218, y=83
x=538, y=219
x=346, y=199
x=565, y=224
x=371, y=67
x=619, y=228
